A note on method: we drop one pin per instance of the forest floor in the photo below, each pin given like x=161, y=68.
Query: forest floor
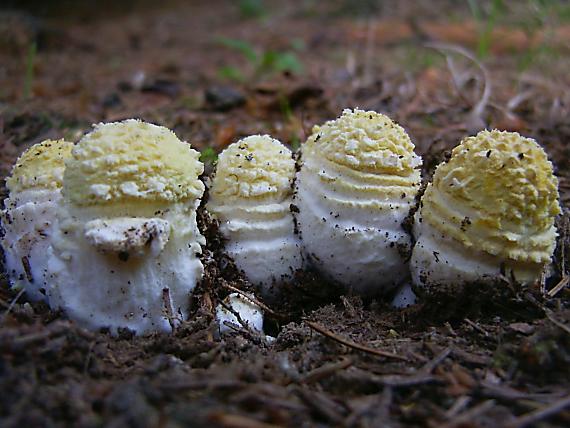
x=216, y=71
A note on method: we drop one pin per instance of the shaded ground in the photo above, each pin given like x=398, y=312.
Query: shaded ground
x=215, y=72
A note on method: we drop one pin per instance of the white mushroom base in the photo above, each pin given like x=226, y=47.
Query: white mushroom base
x=351, y=238
x=28, y=222
x=261, y=241
x=441, y=260
x=404, y=297
x=249, y=313
x=140, y=279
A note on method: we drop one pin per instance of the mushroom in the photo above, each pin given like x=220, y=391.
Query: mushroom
x=126, y=244
x=251, y=196
x=404, y=297
x=30, y=212
x=250, y=314
x=489, y=210
x=358, y=179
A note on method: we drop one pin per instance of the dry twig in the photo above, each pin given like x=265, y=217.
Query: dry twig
x=477, y=327
x=555, y=321
x=229, y=420
x=470, y=414
x=478, y=109
x=326, y=370
x=320, y=329
x=431, y=365
x=506, y=393
x=540, y=414
x=13, y=303
x=558, y=287
x=168, y=313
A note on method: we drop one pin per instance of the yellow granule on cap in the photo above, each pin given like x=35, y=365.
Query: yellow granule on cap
x=41, y=166
x=132, y=160
x=365, y=141
x=257, y=166
x=497, y=194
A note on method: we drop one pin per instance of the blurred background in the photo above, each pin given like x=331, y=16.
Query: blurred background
x=218, y=70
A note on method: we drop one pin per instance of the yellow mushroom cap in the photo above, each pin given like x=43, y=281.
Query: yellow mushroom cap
x=257, y=167
x=497, y=194
x=41, y=166
x=132, y=160
x=365, y=141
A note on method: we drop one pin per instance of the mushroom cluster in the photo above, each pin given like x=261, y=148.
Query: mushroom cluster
x=107, y=229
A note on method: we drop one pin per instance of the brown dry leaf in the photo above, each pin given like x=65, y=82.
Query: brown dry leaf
x=384, y=32
x=510, y=122
x=463, y=376
x=466, y=33
x=225, y=135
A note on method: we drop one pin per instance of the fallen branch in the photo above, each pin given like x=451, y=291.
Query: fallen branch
x=320, y=329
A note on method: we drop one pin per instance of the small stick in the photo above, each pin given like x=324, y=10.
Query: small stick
x=432, y=364
x=54, y=330
x=556, y=322
x=563, y=283
x=458, y=406
x=13, y=303
x=476, y=327
x=548, y=313
x=229, y=420
x=537, y=415
x=318, y=328
x=27, y=269
x=479, y=108
x=168, y=308
x=326, y=370
x=468, y=415
x=207, y=302
x=88, y=359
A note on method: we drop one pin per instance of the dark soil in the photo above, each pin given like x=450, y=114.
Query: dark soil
x=488, y=356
